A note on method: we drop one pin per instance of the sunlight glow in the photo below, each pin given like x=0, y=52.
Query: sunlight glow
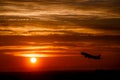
x=31, y=55
x=33, y=60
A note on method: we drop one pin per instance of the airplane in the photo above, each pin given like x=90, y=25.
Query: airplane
x=91, y=56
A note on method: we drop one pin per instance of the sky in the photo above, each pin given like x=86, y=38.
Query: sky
x=56, y=31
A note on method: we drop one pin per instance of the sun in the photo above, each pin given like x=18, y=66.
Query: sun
x=33, y=60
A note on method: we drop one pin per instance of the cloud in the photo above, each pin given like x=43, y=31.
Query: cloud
x=57, y=46
x=59, y=24
x=76, y=7
x=96, y=17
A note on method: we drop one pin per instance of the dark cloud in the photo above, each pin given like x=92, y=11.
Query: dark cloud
x=27, y=5
x=65, y=20
x=109, y=5
x=99, y=15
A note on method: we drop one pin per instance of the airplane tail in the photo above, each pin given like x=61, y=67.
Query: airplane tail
x=99, y=56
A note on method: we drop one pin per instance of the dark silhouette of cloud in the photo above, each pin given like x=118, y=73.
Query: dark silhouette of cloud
x=101, y=16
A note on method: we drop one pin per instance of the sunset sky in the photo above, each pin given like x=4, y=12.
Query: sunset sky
x=56, y=31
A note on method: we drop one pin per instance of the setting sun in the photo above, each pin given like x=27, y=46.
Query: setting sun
x=33, y=60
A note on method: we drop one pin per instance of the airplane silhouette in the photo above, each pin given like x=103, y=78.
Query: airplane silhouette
x=91, y=56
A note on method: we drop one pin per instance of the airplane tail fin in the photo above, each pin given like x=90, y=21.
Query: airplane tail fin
x=99, y=56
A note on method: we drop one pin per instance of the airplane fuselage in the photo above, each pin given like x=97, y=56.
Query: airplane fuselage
x=90, y=56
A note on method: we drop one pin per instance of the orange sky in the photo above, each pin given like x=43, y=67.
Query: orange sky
x=56, y=32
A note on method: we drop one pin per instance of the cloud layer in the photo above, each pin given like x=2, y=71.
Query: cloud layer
x=59, y=17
